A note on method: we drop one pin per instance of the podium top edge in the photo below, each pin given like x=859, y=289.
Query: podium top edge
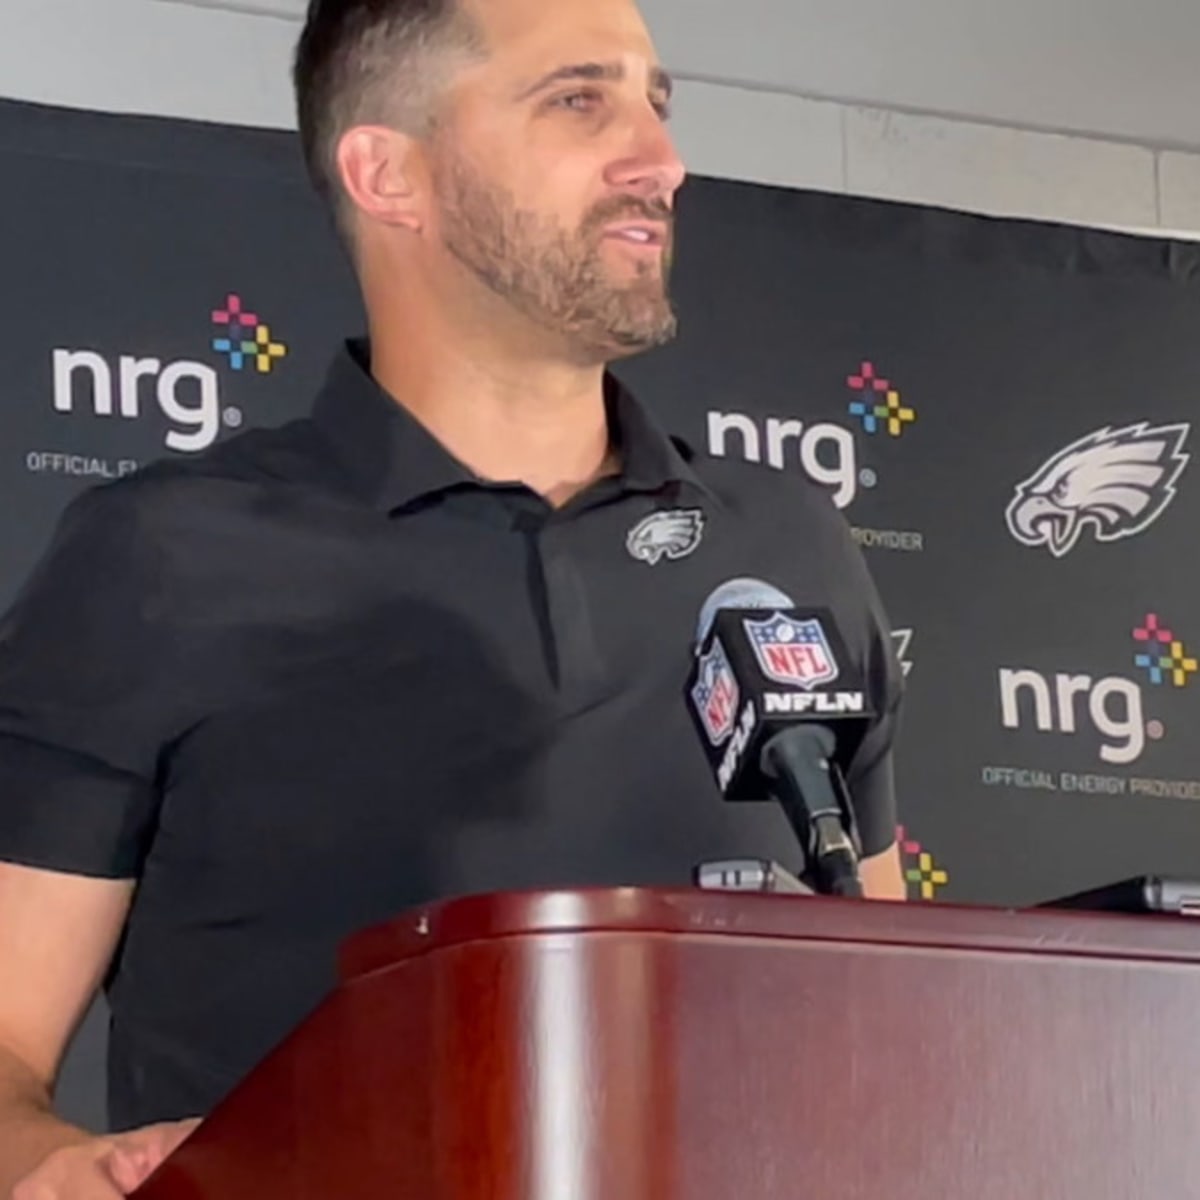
x=804, y=919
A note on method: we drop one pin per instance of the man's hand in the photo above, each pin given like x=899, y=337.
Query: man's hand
x=883, y=876
x=104, y=1168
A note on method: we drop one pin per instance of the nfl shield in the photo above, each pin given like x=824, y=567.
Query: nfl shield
x=715, y=694
x=791, y=652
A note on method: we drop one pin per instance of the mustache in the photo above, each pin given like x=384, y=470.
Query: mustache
x=629, y=208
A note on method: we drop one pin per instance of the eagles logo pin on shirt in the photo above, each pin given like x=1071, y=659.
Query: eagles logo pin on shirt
x=671, y=534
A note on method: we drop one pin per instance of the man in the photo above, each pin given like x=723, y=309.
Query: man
x=406, y=648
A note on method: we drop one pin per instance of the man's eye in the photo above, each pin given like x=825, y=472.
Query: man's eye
x=580, y=101
x=663, y=108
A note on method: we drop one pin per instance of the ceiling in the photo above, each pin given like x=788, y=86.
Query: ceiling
x=1123, y=69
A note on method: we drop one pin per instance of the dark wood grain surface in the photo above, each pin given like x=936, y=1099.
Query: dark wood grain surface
x=627, y=1045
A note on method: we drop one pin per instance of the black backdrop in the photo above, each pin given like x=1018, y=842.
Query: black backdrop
x=1002, y=408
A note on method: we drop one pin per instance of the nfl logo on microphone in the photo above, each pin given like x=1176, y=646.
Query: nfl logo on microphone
x=794, y=653
x=715, y=694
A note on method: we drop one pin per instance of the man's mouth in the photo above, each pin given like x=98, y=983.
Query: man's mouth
x=639, y=233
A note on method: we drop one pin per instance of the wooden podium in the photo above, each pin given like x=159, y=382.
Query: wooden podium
x=639, y=1045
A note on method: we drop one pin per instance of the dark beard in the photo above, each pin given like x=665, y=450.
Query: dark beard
x=555, y=278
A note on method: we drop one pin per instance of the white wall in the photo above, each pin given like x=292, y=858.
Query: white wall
x=945, y=102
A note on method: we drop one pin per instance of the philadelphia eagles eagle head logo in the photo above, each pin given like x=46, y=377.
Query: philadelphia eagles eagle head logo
x=671, y=534
x=1115, y=482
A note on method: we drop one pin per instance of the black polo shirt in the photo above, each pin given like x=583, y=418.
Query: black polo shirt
x=322, y=673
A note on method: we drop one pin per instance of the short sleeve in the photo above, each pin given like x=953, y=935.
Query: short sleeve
x=870, y=778
x=82, y=708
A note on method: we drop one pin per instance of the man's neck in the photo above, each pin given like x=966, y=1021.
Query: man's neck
x=508, y=414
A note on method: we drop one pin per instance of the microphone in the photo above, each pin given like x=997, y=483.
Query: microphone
x=781, y=708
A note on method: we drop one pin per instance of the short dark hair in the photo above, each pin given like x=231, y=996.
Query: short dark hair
x=370, y=62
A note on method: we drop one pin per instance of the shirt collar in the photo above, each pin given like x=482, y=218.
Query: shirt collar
x=392, y=460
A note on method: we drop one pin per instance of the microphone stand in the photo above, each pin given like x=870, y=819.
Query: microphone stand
x=810, y=788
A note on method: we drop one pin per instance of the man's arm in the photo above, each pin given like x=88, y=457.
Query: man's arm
x=870, y=777
x=57, y=934
x=88, y=700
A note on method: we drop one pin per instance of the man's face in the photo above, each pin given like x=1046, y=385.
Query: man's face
x=554, y=175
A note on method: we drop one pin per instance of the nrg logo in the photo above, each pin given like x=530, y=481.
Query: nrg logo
x=186, y=392
x=1113, y=706
x=826, y=451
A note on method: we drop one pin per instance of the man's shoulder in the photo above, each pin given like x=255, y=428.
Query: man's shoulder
x=287, y=461
x=291, y=455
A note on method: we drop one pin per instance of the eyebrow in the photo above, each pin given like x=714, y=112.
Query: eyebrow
x=595, y=72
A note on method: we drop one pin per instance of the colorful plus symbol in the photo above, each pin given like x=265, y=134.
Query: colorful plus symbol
x=1166, y=654
x=891, y=411
x=246, y=337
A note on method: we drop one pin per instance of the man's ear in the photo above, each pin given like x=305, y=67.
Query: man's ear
x=379, y=168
